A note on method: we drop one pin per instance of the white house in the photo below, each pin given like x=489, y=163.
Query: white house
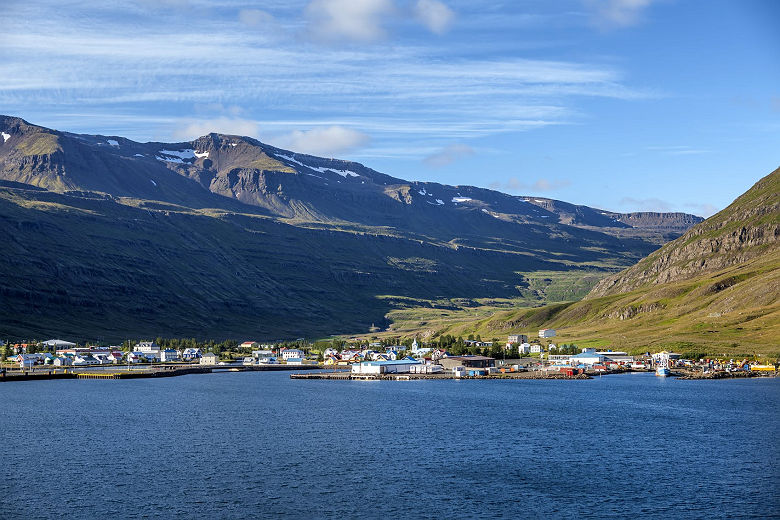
x=169, y=354
x=536, y=349
x=85, y=360
x=147, y=346
x=330, y=352
x=191, y=354
x=524, y=348
x=26, y=360
x=547, y=333
x=209, y=358
x=516, y=338
x=291, y=353
x=136, y=357
x=115, y=357
x=63, y=361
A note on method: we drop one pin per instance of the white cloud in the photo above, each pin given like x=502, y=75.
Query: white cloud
x=448, y=155
x=188, y=130
x=356, y=20
x=617, y=13
x=322, y=141
x=435, y=15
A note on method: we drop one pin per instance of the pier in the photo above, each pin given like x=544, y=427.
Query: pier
x=120, y=372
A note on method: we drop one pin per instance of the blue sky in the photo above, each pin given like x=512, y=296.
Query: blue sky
x=666, y=105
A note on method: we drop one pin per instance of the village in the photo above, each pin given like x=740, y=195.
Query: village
x=522, y=357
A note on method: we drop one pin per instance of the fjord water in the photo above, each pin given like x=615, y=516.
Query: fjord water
x=248, y=445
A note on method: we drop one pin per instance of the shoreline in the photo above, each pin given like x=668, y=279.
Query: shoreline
x=111, y=373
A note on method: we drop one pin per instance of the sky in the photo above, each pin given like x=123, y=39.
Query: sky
x=625, y=105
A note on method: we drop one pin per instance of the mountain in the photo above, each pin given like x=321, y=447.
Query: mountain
x=225, y=236
x=714, y=290
x=748, y=228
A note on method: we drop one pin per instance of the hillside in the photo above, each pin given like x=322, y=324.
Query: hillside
x=225, y=236
x=716, y=289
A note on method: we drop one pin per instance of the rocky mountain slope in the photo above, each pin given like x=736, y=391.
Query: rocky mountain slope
x=747, y=228
x=225, y=236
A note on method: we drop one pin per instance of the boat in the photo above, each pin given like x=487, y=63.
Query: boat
x=662, y=366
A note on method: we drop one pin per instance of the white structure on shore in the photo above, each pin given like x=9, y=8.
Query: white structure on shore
x=209, y=358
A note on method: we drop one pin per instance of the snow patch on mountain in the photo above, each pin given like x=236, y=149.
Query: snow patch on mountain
x=321, y=169
x=6, y=137
x=461, y=199
x=112, y=142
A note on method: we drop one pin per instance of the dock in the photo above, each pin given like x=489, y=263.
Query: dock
x=121, y=372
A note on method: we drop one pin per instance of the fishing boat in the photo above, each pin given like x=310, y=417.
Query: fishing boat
x=662, y=365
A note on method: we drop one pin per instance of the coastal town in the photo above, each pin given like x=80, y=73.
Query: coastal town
x=520, y=357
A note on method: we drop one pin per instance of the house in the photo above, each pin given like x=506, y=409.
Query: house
x=350, y=355
x=85, y=360
x=63, y=361
x=291, y=353
x=536, y=349
x=401, y=366
x=136, y=357
x=147, y=346
x=249, y=344
x=517, y=338
x=330, y=352
x=169, y=354
x=451, y=362
x=524, y=348
x=209, y=358
x=294, y=361
x=331, y=361
x=191, y=354
x=547, y=333
x=102, y=357
x=115, y=357
x=27, y=360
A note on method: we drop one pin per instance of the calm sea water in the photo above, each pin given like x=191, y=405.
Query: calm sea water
x=247, y=445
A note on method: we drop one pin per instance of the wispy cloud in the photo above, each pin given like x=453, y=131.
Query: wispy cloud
x=617, y=13
x=322, y=141
x=516, y=185
x=448, y=155
x=390, y=91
